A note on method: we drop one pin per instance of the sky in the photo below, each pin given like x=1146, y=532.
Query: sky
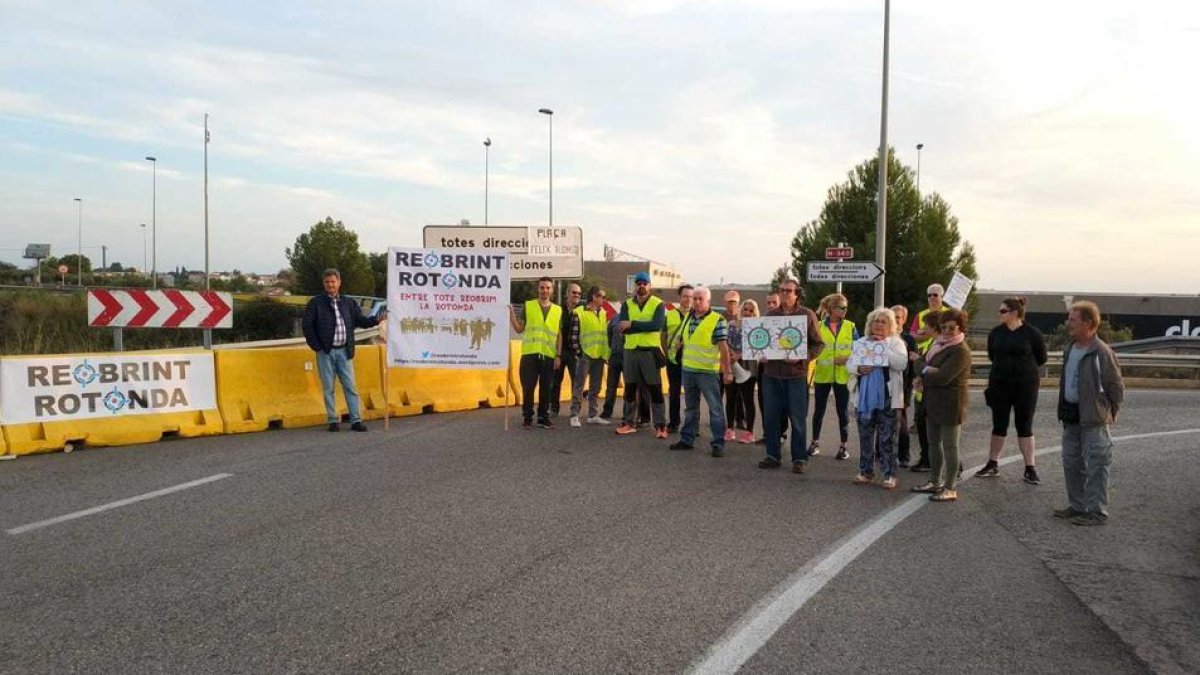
x=700, y=134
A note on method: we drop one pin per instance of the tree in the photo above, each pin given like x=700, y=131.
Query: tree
x=780, y=274
x=378, y=263
x=328, y=244
x=924, y=245
x=71, y=260
x=116, y=267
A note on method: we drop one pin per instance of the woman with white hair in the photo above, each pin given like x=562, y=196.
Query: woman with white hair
x=876, y=367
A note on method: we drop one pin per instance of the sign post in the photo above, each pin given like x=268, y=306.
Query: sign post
x=838, y=254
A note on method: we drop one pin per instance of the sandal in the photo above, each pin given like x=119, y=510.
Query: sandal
x=944, y=496
x=927, y=488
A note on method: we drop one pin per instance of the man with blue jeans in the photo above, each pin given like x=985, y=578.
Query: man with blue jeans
x=784, y=385
x=705, y=357
x=329, y=323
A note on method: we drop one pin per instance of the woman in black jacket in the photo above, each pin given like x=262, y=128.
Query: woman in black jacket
x=1017, y=352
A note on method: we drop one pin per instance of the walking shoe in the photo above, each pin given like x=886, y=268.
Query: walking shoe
x=799, y=467
x=768, y=463
x=944, y=495
x=334, y=426
x=927, y=488
x=545, y=423
x=863, y=479
x=920, y=467
x=527, y=424
x=358, y=426
x=842, y=453
x=626, y=428
x=718, y=451
x=989, y=470
x=746, y=437
x=730, y=435
x=814, y=448
x=672, y=429
x=1067, y=513
x=661, y=432
x=598, y=420
x=889, y=483
x=575, y=422
x=1090, y=519
x=680, y=445
x=1031, y=476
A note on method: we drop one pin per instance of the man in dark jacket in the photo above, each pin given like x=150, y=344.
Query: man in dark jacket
x=329, y=323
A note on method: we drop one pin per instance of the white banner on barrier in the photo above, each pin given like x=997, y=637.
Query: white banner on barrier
x=448, y=308
x=87, y=386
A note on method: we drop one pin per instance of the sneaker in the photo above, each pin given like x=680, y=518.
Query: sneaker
x=680, y=445
x=768, y=463
x=1067, y=513
x=1031, y=476
x=863, y=479
x=359, y=426
x=626, y=428
x=334, y=426
x=920, y=468
x=527, y=424
x=814, y=449
x=927, y=488
x=889, y=483
x=718, y=451
x=545, y=423
x=746, y=438
x=661, y=432
x=598, y=420
x=842, y=453
x=1090, y=519
x=989, y=470
x=730, y=435
x=798, y=467
x=944, y=495
x=575, y=422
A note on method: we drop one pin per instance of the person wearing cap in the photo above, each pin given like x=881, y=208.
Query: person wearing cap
x=642, y=320
x=675, y=317
x=706, y=364
x=785, y=384
x=541, y=345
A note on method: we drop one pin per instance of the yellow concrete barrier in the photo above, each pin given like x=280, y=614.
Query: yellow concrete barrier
x=27, y=439
x=412, y=391
x=261, y=388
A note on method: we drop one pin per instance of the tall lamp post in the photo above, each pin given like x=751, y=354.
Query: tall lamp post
x=487, y=146
x=153, y=221
x=550, y=114
x=79, y=252
x=207, y=275
x=881, y=201
x=919, y=146
x=145, y=261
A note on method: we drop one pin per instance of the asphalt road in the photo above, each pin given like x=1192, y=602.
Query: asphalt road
x=446, y=544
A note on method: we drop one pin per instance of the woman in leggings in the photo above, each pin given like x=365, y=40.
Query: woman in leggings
x=1017, y=352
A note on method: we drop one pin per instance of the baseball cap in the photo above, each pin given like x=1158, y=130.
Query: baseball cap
x=641, y=277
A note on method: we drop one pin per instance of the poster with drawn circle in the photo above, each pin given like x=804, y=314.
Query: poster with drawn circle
x=871, y=353
x=775, y=337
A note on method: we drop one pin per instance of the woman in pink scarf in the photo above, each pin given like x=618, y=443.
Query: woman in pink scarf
x=944, y=371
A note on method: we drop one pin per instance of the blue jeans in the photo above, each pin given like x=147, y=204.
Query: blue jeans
x=708, y=385
x=785, y=398
x=336, y=364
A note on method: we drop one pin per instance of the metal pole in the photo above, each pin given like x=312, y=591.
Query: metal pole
x=487, y=146
x=881, y=224
x=207, y=282
x=79, y=253
x=103, y=259
x=919, y=146
x=841, y=244
x=153, y=221
x=118, y=339
x=550, y=113
x=145, y=259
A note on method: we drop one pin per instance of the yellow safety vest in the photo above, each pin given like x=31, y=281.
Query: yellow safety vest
x=826, y=371
x=699, y=352
x=636, y=340
x=674, y=323
x=593, y=332
x=924, y=344
x=541, y=335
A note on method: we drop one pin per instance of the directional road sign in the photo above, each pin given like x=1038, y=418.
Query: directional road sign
x=849, y=272
x=159, y=309
x=533, y=252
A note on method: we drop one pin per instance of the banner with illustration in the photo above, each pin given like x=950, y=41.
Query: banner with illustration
x=63, y=388
x=447, y=308
x=775, y=337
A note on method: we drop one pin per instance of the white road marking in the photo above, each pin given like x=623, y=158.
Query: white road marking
x=743, y=640
x=117, y=504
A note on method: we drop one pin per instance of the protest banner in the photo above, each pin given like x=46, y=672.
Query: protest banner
x=775, y=337
x=960, y=287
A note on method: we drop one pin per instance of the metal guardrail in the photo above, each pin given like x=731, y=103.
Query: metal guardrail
x=1192, y=361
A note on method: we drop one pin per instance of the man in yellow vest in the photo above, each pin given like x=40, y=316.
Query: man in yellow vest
x=675, y=319
x=642, y=320
x=589, y=344
x=541, y=347
x=918, y=329
x=705, y=366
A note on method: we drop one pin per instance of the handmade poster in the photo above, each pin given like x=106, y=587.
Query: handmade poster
x=775, y=337
x=960, y=288
x=871, y=353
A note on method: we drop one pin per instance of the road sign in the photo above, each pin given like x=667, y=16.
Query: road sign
x=555, y=252
x=159, y=309
x=845, y=272
x=37, y=251
x=839, y=253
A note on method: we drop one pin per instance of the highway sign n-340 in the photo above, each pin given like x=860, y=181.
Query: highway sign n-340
x=846, y=272
x=839, y=253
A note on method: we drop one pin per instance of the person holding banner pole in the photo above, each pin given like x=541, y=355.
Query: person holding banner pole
x=329, y=322
x=589, y=345
x=541, y=347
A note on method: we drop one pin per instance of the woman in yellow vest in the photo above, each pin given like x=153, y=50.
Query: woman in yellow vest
x=830, y=373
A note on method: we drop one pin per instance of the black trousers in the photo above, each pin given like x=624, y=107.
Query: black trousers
x=674, y=393
x=1015, y=396
x=567, y=364
x=922, y=433
x=537, y=372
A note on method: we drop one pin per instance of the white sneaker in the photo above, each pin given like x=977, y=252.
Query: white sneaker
x=575, y=421
x=597, y=420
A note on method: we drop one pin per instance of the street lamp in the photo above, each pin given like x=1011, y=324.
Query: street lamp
x=881, y=200
x=79, y=253
x=487, y=146
x=145, y=263
x=153, y=221
x=550, y=114
x=919, y=146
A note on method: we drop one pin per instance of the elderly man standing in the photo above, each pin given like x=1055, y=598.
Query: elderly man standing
x=705, y=366
x=1090, y=393
x=642, y=320
x=919, y=329
x=329, y=322
x=785, y=385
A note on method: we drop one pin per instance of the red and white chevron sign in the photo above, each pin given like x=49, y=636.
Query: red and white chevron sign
x=159, y=309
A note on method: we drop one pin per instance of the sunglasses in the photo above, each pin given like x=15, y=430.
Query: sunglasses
x=642, y=283
x=842, y=307
x=787, y=290
x=935, y=295
x=1004, y=310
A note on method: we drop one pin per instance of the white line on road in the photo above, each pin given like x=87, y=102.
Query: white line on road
x=755, y=628
x=117, y=504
